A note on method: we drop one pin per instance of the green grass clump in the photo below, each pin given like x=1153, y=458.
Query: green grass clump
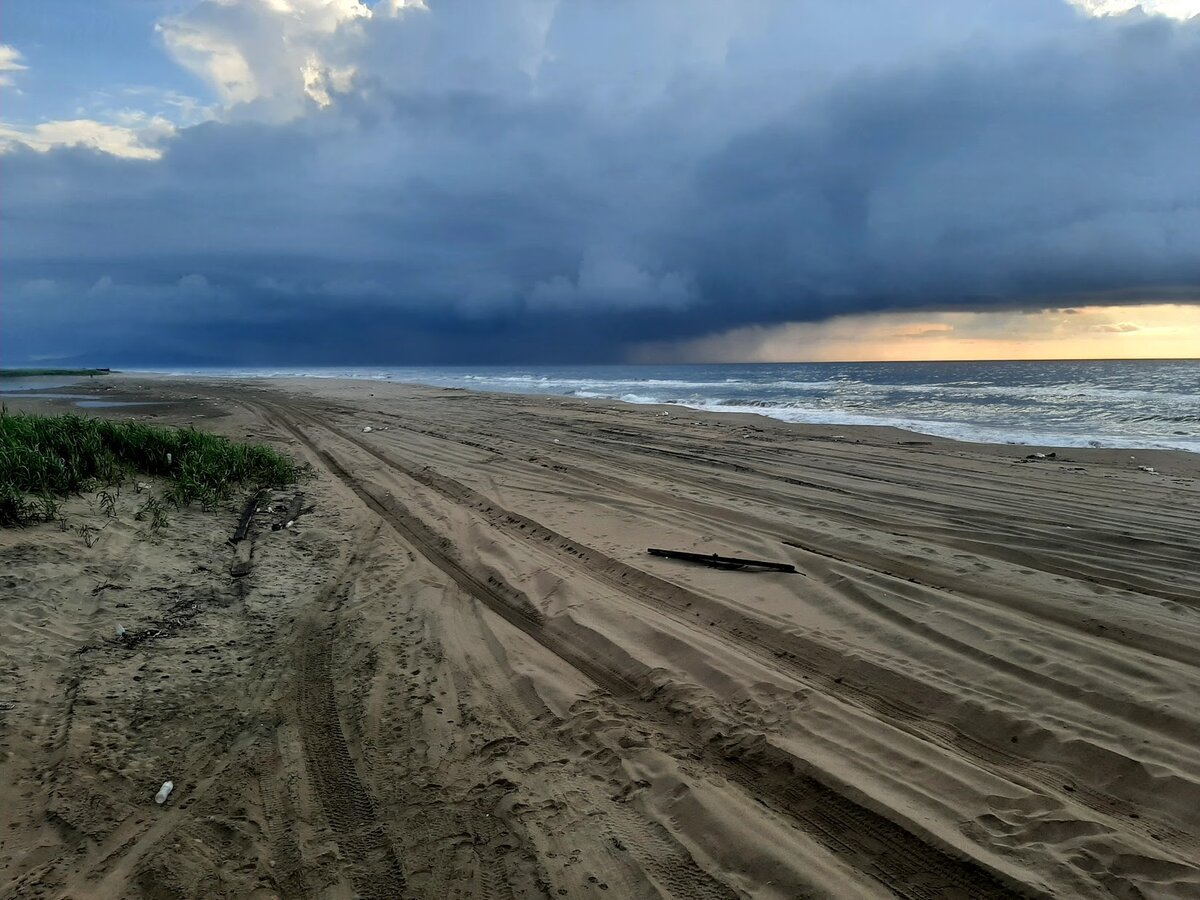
x=45, y=457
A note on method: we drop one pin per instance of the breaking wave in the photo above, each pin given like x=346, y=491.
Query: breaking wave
x=1126, y=403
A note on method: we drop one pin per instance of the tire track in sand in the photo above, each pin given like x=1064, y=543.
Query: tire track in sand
x=288, y=873
x=905, y=863
x=811, y=660
x=368, y=856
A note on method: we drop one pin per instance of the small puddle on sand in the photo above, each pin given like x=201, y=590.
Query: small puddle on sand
x=84, y=401
x=102, y=404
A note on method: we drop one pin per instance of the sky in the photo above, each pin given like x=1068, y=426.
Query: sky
x=340, y=182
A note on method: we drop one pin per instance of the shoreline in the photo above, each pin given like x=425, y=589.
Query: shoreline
x=754, y=419
x=949, y=429
x=125, y=387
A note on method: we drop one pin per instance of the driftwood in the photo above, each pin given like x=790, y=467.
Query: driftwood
x=239, y=533
x=242, y=549
x=294, y=511
x=722, y=562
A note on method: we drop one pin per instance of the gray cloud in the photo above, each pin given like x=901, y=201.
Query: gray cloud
x=561, y=181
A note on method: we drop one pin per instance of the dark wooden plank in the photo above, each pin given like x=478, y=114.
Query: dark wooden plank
x=722, y=562
x=248, y=512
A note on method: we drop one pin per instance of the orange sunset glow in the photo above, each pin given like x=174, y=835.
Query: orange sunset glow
x=1158, y=331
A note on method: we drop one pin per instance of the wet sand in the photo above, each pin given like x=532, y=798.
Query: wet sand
x=459, y=674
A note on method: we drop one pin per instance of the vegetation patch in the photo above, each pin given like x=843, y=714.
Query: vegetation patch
x=43, y=458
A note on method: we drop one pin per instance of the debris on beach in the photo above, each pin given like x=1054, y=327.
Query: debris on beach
x=164, y=792
x=367, y=429
x=1149, y=469
x=1035, y=456
x=291, y=513
x=721, y=562
x=248, y=511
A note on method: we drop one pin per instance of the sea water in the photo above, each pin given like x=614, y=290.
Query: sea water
x=1123, y=403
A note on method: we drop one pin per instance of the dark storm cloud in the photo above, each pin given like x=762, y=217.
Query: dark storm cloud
x=641, y=184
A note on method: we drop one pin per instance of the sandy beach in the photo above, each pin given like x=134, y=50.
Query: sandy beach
x=459, y=673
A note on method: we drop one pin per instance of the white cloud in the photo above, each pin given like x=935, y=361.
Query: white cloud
x=217, y=61
x=141, y=138
x=10, y=61
x=280, y=55
x=1175, y=9
x=397, y=8
x=138, y=141
x=127, y=132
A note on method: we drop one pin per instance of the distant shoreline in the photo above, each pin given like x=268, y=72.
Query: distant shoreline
x=32, y=373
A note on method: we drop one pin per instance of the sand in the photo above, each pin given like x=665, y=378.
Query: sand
x=459, y=674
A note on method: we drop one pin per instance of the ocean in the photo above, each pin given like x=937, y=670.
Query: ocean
x=1123, y=403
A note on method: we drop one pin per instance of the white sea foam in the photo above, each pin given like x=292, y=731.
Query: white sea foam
x=1125, y=404
x=960, y=431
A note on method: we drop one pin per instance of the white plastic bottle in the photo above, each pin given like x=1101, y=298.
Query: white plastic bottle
x=164, y=792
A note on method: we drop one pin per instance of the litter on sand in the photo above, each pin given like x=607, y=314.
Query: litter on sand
x=164, y=792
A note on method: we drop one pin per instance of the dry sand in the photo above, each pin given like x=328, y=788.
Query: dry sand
x=460, y=674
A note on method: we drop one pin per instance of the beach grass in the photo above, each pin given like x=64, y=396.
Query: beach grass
x=46, y=458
